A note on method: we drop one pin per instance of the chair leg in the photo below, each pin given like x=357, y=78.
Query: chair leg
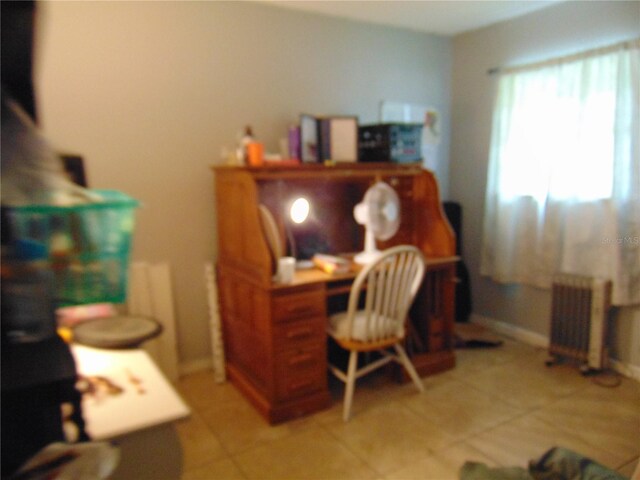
x=350, y=385
x=409, y=367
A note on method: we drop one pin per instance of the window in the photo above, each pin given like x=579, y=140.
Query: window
x=563, y=189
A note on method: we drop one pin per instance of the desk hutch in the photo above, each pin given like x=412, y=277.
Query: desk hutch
x=274, y=334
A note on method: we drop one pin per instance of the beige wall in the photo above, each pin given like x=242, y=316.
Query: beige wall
x=565, y=28
x=149, y=93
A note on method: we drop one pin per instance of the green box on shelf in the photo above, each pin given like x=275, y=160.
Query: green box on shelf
x=87, y=246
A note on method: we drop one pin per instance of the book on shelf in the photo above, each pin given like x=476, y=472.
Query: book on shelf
x=333, y=138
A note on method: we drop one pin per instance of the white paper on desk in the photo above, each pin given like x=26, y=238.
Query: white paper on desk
x=148, y=401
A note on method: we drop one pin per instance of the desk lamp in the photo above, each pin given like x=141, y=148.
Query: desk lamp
x=298, y=214
x=299, y=210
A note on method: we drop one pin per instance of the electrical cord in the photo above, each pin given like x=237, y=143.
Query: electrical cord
x=607, y=378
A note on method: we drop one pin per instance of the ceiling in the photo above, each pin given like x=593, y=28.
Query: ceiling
x=441, y=17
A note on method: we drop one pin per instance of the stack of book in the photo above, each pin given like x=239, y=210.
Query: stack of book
x=331, y=263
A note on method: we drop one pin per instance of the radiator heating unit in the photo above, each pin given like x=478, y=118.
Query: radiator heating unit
x=579, y=315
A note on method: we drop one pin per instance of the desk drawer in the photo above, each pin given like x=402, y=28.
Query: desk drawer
x=297, y=305
x=300, y=372
x=295, y=334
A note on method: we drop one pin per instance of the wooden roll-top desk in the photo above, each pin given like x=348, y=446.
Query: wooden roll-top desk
x=274, y=334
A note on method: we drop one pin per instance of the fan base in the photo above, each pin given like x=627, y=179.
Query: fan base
x=364, y=258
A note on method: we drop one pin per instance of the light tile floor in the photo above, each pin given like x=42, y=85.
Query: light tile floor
x=501, y=406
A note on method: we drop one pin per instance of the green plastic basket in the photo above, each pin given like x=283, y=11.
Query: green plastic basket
x=86, y=246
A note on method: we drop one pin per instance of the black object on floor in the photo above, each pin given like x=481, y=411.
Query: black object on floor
x=476, y=343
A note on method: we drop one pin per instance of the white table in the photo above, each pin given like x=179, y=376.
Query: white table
x=140, y=418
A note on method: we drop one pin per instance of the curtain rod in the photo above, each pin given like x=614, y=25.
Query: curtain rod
x=626, y=45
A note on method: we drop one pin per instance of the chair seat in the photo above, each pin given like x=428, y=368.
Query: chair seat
x=338, y=328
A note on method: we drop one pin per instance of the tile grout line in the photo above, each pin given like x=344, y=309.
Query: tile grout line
x=532, y=410
x=347, y=448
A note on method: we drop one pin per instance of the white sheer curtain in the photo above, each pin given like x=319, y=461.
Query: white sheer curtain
x=563, y=188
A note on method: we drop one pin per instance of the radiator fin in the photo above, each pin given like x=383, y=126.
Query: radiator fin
x=579, y=311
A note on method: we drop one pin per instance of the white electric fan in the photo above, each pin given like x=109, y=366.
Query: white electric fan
x=379, y=212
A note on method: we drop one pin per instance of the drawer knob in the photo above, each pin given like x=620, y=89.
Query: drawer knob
x=295, y=387
x=301, y=359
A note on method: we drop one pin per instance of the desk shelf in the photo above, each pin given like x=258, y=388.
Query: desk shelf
x=259, y=361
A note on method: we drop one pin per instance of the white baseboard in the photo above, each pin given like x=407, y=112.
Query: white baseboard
x=517, y=333
x=541, y=341
x=193, y=366
x=626, y=369
x=513, y=331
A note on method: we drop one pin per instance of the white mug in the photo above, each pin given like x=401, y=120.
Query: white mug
x=286, y=269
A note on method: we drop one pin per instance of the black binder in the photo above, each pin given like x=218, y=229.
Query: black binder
x=453, y=211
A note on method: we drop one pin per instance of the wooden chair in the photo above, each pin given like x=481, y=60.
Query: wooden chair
x=389, y=285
